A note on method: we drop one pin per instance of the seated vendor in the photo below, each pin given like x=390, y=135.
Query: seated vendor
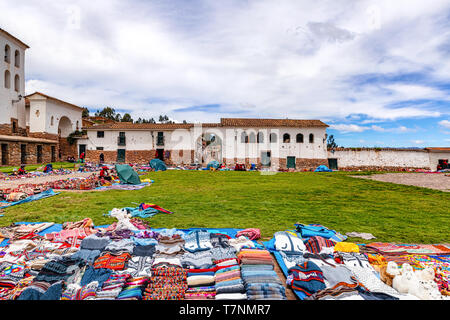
x=21, y=171
x=104, y=173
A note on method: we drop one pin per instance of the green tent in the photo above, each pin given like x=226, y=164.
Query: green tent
x=158, y=165
x=127, y=174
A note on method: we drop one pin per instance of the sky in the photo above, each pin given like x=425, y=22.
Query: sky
x=377, y=72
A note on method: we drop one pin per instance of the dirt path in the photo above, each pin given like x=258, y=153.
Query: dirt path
x=43, y=179
x=437, y=181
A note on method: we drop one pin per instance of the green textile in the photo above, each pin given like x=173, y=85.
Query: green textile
x=127, y=175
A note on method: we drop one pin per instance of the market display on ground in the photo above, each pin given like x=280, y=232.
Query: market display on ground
x=130, y=260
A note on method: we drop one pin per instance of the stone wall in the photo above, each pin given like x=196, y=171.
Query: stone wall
x=14, y=153
x=67, y=150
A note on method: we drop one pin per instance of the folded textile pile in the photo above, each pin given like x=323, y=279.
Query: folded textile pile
x=133, y=289
x=166, y=284
x=197, y=260
x=261, y=282
x=112, y=287
x=201, y=284
x=168, y=251
x=229, y=284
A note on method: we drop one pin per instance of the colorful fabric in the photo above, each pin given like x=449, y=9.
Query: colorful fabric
x=111, y=261
x=306, y=278
x=316, y=244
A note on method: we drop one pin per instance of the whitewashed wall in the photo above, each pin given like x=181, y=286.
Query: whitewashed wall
x=435, y=156
x=10, y=110
x=42, y=110
x=381, y=158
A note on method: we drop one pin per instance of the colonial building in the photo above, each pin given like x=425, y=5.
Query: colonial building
x=284, y=143
x=33, y=128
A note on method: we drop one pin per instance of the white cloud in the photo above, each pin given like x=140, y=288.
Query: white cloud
x=345, y=128
x=445, y=124
x=290, y=59
x=418, y=141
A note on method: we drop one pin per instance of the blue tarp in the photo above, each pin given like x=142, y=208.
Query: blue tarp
x=42, y=195
x=323, y=168
x=158, y=165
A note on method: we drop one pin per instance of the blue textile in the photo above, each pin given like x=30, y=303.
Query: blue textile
x=323, y=168
x=42, y=195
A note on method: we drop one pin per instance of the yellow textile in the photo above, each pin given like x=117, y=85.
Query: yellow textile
x=346, y=247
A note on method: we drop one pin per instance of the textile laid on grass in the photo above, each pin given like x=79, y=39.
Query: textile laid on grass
x=23, y=198
x=213, y=164
x=158, y=165
x=319, y=265
x=129, y=261
x=323, y=168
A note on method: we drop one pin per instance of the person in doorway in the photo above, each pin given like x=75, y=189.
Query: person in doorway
x=82, y=155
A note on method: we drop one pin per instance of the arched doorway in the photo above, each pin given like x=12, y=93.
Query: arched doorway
x=64, y=127
x=65, y=148
x=209, y=148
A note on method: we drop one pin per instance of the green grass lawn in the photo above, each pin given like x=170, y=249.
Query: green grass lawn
x=35, y=167
x=392, y=213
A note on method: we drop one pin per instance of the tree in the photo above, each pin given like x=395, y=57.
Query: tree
x=127, y=118
x=85, y=113
x=331, y=144
x=107, y=112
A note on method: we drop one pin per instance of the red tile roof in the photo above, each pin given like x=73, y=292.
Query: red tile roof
x=243, y=122
x=442, y=149
x=51, y=98
x=224, y=122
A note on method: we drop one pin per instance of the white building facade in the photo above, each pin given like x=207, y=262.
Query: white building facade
x=272, y=143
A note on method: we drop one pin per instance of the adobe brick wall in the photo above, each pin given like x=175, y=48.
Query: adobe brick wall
x=94, y=156
x=177, y=157
x=66, y=149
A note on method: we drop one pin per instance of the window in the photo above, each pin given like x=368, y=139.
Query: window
x=286, y=138
x=299, y=138
x=7, y=54
x=160, y=139
x=100, y=134
x=244, y=137
x=17, y=83
x=311, y=138
x=78, y=125
x=260, y=137
x=273, y=138
x=252, y=138
x=100, y=148
x=121, y=139
x=51, y=120
x=14, y=126
x=17, y=58
x=7, y=80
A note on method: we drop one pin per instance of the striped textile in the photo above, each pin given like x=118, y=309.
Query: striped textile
x=316, y=244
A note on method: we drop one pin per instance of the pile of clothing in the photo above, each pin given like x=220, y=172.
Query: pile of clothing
x=319, y=265
x=260, y=280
